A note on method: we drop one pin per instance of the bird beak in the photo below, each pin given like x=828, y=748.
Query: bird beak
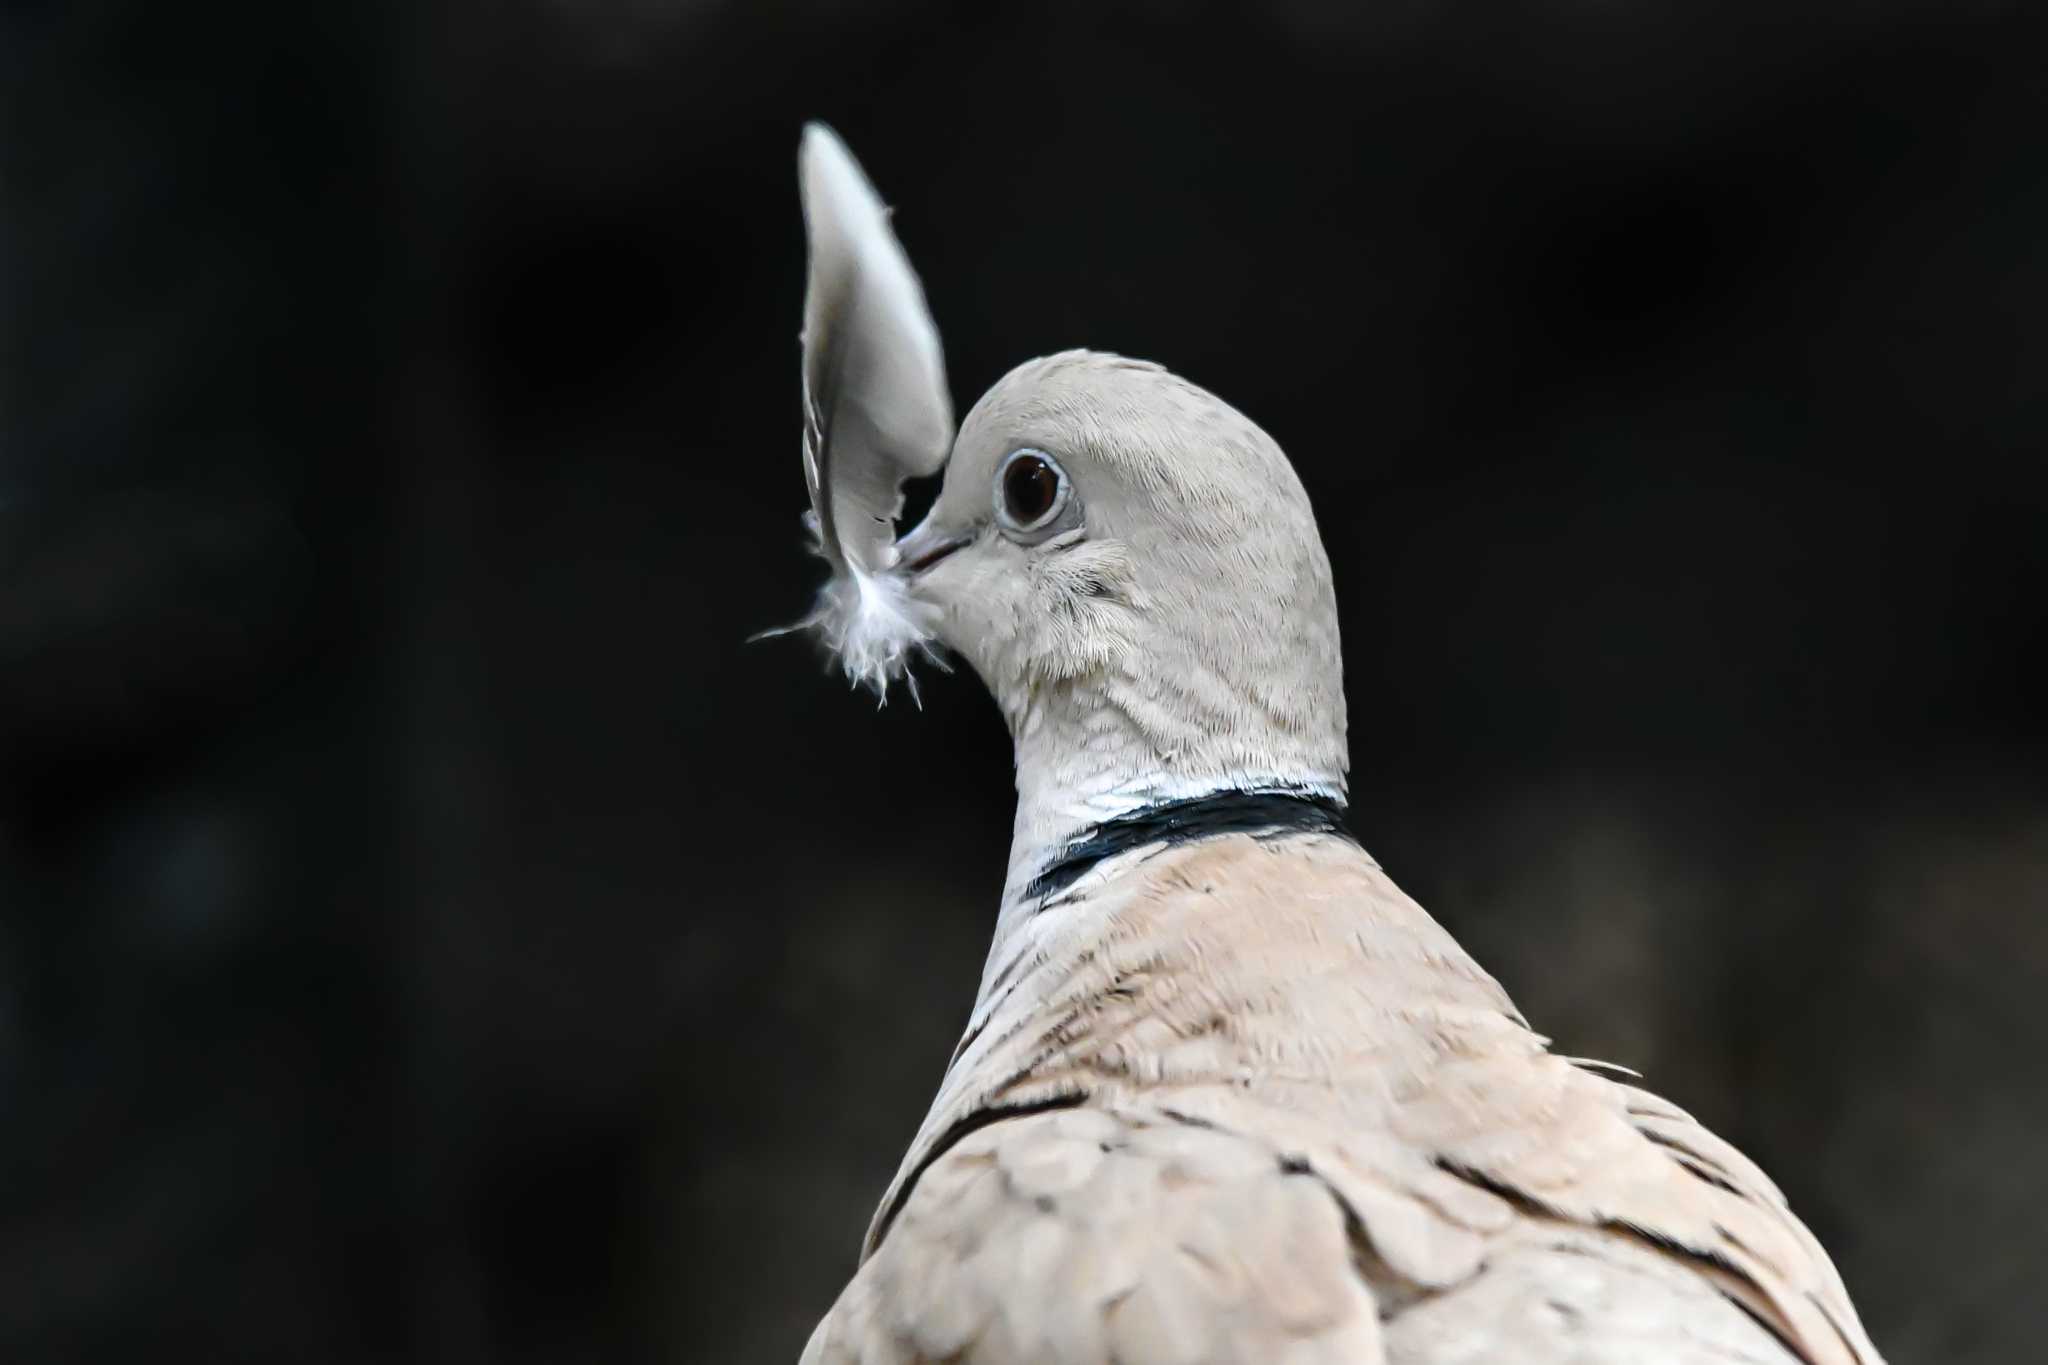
x=926, y=546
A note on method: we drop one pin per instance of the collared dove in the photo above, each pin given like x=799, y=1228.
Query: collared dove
x=1226, y=1094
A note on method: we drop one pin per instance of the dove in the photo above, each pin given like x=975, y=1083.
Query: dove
x=1226, y=1093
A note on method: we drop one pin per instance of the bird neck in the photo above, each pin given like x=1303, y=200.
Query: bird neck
x=1089, y=752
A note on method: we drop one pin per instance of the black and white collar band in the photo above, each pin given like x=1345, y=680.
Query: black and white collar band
x=1262, y=814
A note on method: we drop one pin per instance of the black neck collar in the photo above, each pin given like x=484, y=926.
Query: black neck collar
x=1265, y=815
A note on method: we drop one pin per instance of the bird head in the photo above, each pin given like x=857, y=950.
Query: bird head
x=1128, y=563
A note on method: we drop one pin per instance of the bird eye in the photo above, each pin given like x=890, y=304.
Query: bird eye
x=1031, y=489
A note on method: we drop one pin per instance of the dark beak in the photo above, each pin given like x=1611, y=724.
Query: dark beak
x=926, y=546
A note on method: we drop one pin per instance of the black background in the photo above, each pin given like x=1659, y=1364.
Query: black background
x=428, y=931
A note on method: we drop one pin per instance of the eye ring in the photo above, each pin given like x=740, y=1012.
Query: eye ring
x=1031, y=490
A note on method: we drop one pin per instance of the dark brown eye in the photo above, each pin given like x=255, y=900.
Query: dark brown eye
x=1030, y=490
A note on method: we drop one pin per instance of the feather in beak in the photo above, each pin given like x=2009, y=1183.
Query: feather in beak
x=876, y=410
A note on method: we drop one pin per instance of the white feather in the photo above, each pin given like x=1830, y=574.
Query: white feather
x=876, y=413
x=870, y=624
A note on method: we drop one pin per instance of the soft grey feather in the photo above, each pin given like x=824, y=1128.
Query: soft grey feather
x=876, y=409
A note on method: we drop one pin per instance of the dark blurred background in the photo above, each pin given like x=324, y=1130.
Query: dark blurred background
x=429, y=932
